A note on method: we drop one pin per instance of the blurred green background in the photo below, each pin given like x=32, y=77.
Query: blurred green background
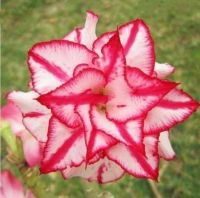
x=175, y=26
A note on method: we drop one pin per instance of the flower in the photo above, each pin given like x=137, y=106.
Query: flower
x=101, y=105
x=31, y=147
x=11, y=187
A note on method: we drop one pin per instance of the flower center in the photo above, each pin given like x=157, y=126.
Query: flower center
x=102, y=93
x=101, y=108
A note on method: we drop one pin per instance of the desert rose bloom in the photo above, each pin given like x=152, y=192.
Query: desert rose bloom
x=31, y=147
x=11, y=187
x=101, y=105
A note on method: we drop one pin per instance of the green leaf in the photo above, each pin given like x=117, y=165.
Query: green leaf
x=8, y=136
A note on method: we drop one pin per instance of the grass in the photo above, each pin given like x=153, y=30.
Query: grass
x=175, y=27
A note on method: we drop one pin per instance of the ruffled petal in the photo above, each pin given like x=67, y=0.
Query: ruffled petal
x=174, y=108
x=62, y=100
x=73, y=36
x=142, y=83
x=66, y=114
x=103, y=171
x=134, y=128
x=136, y=95
x=52, y=63
x=162, y=70
x=165, y=149
x=99, y=142
x=89, y=79
x=35, y=116
x=113, y=61
x=134, y=162
x=123, y=133
x=101, y=41
x=65, y=147
x=80, y=68
x=138, y=45
x=96, y=140
x=86, y=35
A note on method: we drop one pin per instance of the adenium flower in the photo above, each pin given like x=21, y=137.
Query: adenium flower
x=31, y=147
x=101, y=105
x=12, y=187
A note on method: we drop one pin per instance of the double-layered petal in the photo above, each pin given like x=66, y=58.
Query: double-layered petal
x=101, y=105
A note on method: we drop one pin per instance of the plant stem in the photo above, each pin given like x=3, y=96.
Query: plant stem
x=153, y=185
x=154, y=189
